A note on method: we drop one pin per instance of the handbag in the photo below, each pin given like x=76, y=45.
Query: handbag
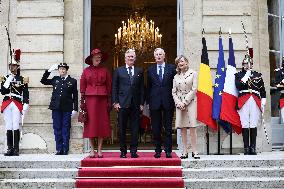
x=83, y=116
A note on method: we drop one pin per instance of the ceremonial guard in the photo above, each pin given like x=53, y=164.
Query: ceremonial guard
x=64, y=104
x=279, y=82
x=14, y=87
x=251, y=101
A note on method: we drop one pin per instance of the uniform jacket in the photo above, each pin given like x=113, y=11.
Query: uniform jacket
x=124, y=91
x=95, y=80
x=64, y=95
x=17, y=92
x=279, y=76
x=184, y=91
x=160, y=93
x=253, y=87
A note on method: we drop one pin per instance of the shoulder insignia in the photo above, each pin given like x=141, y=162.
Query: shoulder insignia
x=25, y=80
x=2, y=78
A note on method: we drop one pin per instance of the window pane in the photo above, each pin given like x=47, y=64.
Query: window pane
x=273, y=30
x=275, y=95
x=273, y=7
x=274, y=63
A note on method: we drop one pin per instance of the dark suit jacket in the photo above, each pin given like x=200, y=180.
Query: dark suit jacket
x=65, y=93
x=123, y=91
x=160, y=93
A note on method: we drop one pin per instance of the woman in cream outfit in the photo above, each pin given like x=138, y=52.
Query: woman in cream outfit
x=184, y=94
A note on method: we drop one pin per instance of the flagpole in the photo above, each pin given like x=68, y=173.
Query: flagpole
x=207, y=138
x=231, y=142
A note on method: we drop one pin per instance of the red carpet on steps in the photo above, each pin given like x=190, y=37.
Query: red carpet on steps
x=143, y=172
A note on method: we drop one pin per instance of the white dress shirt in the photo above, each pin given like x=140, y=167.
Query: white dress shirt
x=163, y=68
x=132, y=70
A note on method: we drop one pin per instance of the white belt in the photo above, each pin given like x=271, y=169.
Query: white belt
x=15, y=95
x=250, y=91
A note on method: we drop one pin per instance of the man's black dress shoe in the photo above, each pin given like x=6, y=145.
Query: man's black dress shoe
x=134, y=155
x=157, y=155
x=168, y=155
x=122, y=155
x=64, y=153
x=59, y=153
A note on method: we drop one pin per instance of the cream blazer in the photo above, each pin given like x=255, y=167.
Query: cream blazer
x=184, y=91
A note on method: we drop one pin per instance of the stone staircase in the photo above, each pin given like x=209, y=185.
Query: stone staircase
x=39, y=171
x=265, y=170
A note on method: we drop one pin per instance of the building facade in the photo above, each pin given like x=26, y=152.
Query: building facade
x=54, y=31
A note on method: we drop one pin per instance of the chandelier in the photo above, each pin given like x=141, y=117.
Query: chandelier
x=139, y=34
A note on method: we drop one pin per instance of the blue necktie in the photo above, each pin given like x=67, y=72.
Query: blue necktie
x=160, y=73
x=130, y=74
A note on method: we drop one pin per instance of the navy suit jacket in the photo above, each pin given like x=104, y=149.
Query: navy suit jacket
x=160, y=93
x=123, y=91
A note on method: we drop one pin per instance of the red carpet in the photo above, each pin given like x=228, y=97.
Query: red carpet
x=143, y=172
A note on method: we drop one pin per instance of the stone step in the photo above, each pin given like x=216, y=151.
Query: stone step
x=37, y=183
x=234, y=161
x=41, y=161
x=233, y=183
x=14, y=173
x=232, y=172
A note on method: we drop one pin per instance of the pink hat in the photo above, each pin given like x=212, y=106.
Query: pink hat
x=95, y=51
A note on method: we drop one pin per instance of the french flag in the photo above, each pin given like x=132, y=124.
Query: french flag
x=230, y=94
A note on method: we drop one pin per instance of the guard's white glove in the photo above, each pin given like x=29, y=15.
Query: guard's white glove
x=73, y=113
x=53, y=67
x=25, y=108
x=263, y=102
x=246, y=77
x=8, y=81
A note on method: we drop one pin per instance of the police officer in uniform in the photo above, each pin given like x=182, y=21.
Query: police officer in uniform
x=64, y=104
x=14, y=87
x=251, y=102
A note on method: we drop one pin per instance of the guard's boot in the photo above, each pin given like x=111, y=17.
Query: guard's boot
x=10, y=150
x=16, y=142
x=245, y=132
x=253, y=134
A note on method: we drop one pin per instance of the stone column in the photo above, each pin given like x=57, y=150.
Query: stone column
x=73, y=55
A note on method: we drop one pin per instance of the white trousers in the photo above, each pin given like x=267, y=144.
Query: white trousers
x=282, y=114
x=12, y=117
x=249, y=114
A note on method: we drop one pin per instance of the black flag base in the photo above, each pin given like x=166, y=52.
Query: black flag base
x=219, y=141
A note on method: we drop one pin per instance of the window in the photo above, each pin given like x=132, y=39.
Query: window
x=275, y=30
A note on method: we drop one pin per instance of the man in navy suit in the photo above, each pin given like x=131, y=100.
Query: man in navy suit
x=128, y=100
x=159, y=97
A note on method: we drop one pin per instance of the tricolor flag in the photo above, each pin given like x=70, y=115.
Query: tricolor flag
x=218, y=88
x=204, y=90
x=230, y=93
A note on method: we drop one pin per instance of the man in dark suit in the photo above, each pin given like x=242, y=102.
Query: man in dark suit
x=64, y=104
x=159, y=97
x=128, y=100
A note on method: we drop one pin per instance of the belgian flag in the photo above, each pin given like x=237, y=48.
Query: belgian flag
x=205, y=90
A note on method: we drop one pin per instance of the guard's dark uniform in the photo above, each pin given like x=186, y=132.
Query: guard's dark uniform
x=63, y=101
x=279, y=76
x=253, y=88
x=15, y=103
